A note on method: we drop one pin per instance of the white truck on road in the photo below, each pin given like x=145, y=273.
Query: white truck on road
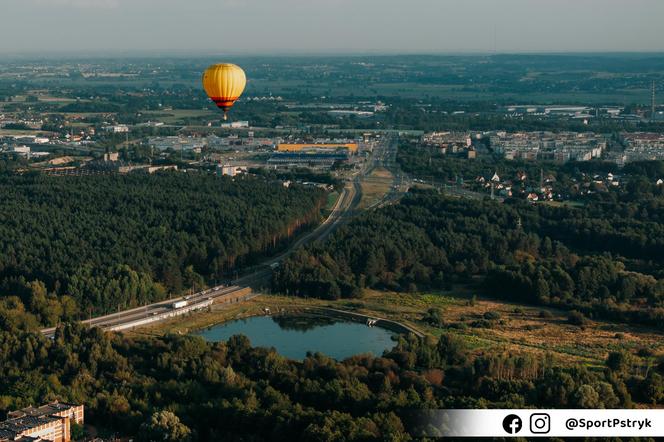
x=179, y=304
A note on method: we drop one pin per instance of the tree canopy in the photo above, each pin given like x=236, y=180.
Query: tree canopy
x=73, y=246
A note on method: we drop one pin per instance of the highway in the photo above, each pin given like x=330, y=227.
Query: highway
x=237, y=291
x=117, y=321
x=386, y=156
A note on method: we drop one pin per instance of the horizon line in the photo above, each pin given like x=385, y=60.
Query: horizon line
x=186, y=53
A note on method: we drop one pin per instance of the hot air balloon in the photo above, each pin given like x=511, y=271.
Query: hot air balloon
x=224, y=83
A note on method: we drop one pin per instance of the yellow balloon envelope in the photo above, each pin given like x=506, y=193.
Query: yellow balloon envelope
x=224, y=83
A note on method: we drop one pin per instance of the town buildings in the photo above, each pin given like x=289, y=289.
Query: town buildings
x=229, y=170
x=50, y=422
x=559, y=147
x=117, y=129
x=642, y=146
x=449, y=142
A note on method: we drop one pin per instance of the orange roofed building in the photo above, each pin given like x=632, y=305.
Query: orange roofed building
x=285, y=147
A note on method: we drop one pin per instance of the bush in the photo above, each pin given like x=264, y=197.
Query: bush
x=459, y=325
x=576, y=318
x=653, y=388
x=434, y=316
x=491, y=316
x=77, y=431
x=532, y=327
x=644, y=352
x=619, y=361
x=481, y=323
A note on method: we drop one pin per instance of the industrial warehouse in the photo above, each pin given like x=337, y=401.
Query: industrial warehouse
x=286, y=147
x=314, y=155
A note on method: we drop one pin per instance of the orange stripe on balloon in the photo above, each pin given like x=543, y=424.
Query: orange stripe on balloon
x=224, y=103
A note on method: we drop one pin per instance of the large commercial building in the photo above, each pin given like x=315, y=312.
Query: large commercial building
x=177, y=143
x=50, y=422
x=299, y=147
x=308, y=159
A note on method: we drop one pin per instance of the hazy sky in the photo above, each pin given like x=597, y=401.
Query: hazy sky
x=269, y=26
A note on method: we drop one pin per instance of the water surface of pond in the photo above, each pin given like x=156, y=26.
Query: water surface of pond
x=294, y=336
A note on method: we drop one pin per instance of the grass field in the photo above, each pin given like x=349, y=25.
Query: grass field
x=460, y=92
x=52, y=99
x=177, y=116
x=469, y=92
x=562, y=203
x=43, y=97
x=332, y=198
x=223, y=313
x=519, y=329
x=18, y=132
x=375, y=186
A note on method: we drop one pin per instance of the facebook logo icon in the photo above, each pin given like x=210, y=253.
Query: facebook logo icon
x=512, y=424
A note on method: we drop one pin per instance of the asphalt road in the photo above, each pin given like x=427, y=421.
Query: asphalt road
x=135, y=314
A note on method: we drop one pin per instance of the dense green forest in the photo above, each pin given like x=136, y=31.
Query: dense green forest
x=79, y=245
x=596, y=259
x=179, y=388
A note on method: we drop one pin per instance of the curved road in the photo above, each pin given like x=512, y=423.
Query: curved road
x=343, y=209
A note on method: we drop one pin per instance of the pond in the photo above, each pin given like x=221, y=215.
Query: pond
x=294, y=336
